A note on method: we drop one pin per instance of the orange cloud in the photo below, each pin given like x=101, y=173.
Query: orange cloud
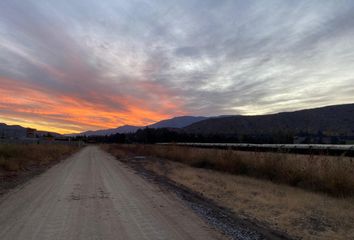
x=33, y=106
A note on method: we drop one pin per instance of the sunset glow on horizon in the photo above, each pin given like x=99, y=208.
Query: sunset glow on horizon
x=72, y=66
x=51, y=111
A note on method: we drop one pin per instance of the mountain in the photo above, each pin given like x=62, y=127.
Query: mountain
x=177, y=122
x=19, y=132
x=106, y=132
x=331, y=120
x=14, y=131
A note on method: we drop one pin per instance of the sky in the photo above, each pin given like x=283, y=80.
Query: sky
x=75, y=65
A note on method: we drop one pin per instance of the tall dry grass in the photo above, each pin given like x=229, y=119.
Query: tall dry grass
x=16, y=157
x=332, y=175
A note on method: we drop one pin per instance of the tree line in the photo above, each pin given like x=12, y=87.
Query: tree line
x=165, y=135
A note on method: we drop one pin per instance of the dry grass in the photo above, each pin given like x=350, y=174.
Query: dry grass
x=332, y=175
x=299, y=213
x=17, y=157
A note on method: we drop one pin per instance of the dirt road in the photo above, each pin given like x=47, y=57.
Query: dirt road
x=93, y=196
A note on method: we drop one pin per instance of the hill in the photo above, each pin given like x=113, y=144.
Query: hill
x=173, y=123
x=107, y=132
x=331, y=120
x=19, y=132
x=177, y=122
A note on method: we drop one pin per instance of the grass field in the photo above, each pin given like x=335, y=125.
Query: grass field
x=17, y=157
x=328, y=174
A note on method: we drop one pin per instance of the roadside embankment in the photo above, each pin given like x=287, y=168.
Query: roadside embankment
x=333, y=175
x=20, y=162
x=300, y=213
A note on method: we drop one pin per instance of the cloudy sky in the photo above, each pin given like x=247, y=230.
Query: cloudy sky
x=70, y=66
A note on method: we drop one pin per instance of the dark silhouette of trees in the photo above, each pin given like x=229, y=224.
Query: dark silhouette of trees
x=166, y=135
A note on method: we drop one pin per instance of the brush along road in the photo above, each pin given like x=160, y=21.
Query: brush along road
x=93, y=196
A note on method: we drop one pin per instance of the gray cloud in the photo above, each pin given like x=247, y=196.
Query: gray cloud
x=213, y=57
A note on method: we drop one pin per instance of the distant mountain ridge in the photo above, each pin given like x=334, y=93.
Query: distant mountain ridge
x=336, y=120
x=332, y=120
x=106, y=132
x=176, y=122
x=19, y=132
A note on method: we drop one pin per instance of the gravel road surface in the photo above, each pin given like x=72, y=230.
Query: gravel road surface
x=93, y=196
